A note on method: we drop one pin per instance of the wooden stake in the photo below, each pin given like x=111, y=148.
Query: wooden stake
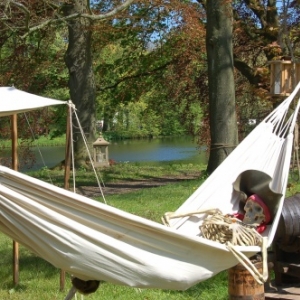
x=67, y=177
x=68, y=150
x=14, y=151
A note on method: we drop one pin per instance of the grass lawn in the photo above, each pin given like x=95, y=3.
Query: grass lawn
x=40, y=281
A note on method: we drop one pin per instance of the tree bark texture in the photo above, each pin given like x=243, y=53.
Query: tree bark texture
x=78, y=59
x=223, y=122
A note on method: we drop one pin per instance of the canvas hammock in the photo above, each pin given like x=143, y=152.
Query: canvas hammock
x=94, y=241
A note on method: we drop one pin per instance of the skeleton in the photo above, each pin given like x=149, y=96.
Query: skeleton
x=234, y=231
x=256, y=213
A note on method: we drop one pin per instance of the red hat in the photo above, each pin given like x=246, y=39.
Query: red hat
x=266, y=210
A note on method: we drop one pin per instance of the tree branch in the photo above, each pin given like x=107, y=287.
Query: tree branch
x=253, y=77
x=137, y=75
x=66, y=18
x=258, y=10
x=203, y=3
x=25, y=10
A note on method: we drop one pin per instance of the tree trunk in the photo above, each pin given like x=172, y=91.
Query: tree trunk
x=223, y=122
x=78, y=59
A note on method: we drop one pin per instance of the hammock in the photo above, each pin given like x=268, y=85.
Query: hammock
x=93, y=241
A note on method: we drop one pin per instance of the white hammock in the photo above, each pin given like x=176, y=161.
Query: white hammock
x=94, y=241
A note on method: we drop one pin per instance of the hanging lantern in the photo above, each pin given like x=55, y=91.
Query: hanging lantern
x=285, y=74
x=100, y=147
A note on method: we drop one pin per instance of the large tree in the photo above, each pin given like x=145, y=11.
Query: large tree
x=222, y=110
x=22, y=20
x=262, y=31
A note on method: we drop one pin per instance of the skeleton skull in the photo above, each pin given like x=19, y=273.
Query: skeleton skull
x=256, y=212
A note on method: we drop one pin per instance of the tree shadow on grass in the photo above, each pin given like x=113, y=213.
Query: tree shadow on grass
x=128, y=186
x=30, y=267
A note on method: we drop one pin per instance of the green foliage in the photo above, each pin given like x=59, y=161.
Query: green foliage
x=36, y=65
x=136, y=67
x=148, y=64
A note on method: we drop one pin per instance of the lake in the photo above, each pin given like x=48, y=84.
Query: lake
x=154, y=151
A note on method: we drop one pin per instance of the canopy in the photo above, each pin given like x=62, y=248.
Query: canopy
x=13, y=101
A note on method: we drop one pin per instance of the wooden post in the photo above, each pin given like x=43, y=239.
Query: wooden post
x=67, y=177
x=14, y=151
x=68, y=150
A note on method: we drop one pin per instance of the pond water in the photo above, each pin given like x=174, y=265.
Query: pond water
x=154, y=151
x=179, y=149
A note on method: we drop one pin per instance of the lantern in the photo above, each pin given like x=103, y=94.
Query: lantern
x=285, y=74
x=100, y=147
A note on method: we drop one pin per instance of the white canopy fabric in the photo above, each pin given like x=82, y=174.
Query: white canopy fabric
x=14, y=101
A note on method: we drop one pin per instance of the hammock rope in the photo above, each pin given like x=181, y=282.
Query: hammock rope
x=216, y=146
x=98, y=178
x=295, y=158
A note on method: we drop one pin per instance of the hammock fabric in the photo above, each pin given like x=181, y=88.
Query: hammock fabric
x=93, y=241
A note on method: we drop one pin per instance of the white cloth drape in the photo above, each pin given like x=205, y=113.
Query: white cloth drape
x=14, y=101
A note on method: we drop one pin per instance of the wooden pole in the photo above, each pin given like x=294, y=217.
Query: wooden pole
x=68, y=151
x=67, y=177
x=14, y=138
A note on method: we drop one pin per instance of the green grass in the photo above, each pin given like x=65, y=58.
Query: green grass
x=121, y=172
x=40, y=141
x=152, y=203
x=40, y=281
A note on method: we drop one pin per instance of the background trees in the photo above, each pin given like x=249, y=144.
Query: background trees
x=146, y=66
x=36, y=18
